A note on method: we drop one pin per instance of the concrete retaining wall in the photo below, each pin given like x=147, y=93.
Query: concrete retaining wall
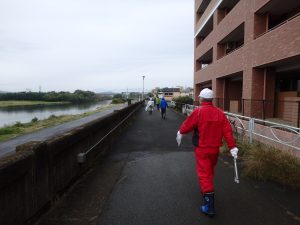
x=39, y=172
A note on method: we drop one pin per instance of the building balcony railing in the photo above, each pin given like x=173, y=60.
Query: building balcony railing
x=228, y=52
x=278, y=25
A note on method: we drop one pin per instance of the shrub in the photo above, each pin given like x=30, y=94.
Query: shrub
x=52, y=116
x=8, y=130
x=35, y=119
x=184, y=100
x=117, y=101
x=263, y=162
x=118, y=96
x=180, y=101
x=19, y=124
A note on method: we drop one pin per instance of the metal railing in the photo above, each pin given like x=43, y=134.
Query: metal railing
x=263, y=109
x=81, y=157
x=280, y=133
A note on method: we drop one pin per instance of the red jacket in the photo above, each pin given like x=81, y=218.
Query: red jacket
x=212, y=126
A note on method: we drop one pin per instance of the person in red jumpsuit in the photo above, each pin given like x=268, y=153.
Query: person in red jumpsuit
x=210, y=125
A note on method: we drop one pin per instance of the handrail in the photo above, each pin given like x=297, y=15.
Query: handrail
x=265, y=121
x=231, y=51
x=81, y=157
x=251, y=127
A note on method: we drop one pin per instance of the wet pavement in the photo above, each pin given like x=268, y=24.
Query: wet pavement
x=148, y=179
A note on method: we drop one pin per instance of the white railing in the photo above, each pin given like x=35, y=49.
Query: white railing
x=288, y=136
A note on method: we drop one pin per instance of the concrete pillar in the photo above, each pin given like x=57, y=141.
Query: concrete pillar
x=269, y=92
x=196, y=93
x=247, y=81
x=219, y=88
x=254, y=87
x=249, y=22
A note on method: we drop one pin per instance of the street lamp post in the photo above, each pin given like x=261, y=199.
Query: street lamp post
x=143, y=88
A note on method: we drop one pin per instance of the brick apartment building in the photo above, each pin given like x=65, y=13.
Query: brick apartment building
x=248, y=52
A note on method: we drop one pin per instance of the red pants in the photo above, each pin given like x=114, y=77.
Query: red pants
x=206, y=158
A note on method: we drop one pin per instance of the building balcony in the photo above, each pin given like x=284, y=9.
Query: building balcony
x=276, y=45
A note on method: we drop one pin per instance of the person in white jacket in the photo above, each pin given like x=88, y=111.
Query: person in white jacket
x=150, y=105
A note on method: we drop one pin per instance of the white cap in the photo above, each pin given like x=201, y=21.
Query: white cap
x=206, y=93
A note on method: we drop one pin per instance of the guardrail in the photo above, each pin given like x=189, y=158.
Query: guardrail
x=258, y=129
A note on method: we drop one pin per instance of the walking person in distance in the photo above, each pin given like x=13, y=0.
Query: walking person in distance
x=163, y=107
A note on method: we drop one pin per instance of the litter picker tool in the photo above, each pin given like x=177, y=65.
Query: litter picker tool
x=236, y=178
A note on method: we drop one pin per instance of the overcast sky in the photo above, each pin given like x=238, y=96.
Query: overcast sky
x=97, y=45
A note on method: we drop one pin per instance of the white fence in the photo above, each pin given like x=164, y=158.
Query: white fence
x=274, y=134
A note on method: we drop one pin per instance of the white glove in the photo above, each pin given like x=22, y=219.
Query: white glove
x=178, y=138
x=234, y=152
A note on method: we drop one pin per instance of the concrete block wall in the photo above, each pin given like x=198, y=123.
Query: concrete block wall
x=31, y=179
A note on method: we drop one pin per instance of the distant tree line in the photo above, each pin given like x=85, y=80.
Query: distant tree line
x=77, y=96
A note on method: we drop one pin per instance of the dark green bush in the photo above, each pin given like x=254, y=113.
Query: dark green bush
x=184, y=100
x=117, y=100
x=8, y=130
x=35, y=119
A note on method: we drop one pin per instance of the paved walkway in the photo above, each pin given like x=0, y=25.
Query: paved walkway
x=148, y=180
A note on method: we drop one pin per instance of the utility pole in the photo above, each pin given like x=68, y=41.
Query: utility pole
x=143, y=88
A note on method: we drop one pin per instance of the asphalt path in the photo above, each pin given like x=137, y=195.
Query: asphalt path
x=148, y=180
x=8, y=147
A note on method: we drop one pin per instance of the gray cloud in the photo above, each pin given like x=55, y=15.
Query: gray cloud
x=109, y=45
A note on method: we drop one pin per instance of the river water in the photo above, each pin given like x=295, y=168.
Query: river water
x=24, y=114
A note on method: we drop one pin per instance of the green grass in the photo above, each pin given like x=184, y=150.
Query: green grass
x=18, y=129
x=27, y=103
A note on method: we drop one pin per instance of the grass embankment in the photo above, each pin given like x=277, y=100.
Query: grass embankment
x=18, y=129
x=28, y=103
x=265, y=163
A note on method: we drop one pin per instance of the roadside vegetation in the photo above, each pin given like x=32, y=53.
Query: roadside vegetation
x=18, y=128
x=181, y=100
x=184, y=100
x=117, y=99
x=266, y=163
